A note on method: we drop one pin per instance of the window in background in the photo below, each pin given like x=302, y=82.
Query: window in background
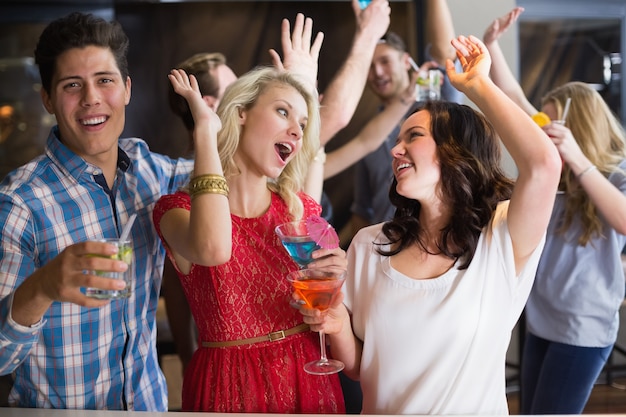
x=573, y=41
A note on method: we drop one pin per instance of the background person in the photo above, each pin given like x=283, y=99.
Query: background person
x=388, y=78
x=572, y=314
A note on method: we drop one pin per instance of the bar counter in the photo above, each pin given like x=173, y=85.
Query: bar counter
x=41, y=412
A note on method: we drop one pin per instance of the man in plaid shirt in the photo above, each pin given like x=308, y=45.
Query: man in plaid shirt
x=64, y=349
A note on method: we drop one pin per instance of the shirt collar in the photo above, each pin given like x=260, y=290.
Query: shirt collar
x=73, y=164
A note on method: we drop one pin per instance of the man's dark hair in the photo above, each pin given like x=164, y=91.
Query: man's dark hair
x=79, y=30
x=394, y=40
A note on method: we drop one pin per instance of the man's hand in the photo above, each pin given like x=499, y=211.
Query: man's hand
x=62, y=279
x=300, y=55
x=374, y=19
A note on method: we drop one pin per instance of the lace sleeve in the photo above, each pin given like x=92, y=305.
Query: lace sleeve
x=167, y=202
x=311, y=207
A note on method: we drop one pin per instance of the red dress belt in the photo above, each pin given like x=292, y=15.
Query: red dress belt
x=271, y=337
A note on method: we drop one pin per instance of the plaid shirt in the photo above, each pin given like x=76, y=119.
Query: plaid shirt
x=76, y=357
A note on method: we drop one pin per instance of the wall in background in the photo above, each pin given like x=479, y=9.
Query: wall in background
x=163, y=34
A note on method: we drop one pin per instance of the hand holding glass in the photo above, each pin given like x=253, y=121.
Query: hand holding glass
x=429, y=85
x=318, y=289
x=125, y=254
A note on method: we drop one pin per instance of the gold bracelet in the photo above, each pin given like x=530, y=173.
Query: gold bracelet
x=209, y=183
x=586, y=170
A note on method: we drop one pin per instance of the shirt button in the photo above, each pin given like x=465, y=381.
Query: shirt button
x=16, y=361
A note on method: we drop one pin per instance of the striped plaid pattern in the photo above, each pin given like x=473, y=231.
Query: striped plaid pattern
x=84, y=358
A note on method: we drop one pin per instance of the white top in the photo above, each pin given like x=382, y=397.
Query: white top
x=437, y=346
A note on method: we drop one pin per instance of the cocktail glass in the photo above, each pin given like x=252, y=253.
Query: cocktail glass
x=317, y=289
x=296, y=239
x=124, y=253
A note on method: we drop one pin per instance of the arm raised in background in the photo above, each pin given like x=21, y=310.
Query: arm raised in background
x=341, y=97
x=500, y=72
x=534, y=154
x=608, y=199
x=370, y=137
x=373, y=134
x=439, y=31
x=343, y=94
x=300, y=55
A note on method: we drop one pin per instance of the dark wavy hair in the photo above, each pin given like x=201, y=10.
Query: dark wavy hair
x=78, y=30
x=472, y=181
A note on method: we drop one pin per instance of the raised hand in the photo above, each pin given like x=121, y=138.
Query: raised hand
x=501, y=25
x=300, y=55
x=475, y=60
x=374, y=19
x=187, y=87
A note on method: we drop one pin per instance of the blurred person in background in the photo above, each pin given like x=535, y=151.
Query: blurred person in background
x=389, y=77
x=572, y=314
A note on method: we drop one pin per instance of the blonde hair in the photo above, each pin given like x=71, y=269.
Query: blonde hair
x=601, y=138
x=242, y=95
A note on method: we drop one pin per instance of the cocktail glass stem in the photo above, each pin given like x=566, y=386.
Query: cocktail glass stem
x=323, y=359
x=323, y=366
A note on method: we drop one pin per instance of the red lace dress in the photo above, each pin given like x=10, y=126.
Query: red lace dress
x=244, y=298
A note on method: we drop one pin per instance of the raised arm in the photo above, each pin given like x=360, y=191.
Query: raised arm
x=300, y=55
x=202, y=235
x=501, y=73
x=536, y=157
x=372, y=135
x=343, y=94
x=439, y=30
x=608, y=199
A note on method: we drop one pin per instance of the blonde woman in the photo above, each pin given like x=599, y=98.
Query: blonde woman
x=220, y=236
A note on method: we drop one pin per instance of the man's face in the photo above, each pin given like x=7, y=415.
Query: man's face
x=88, y=97
x=224, y=77
x=388, y=75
